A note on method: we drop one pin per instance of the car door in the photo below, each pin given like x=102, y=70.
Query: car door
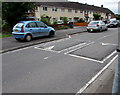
x=42, y=29
x=32, y=28
x=102, y=25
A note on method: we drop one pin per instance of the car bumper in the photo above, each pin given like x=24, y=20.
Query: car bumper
x=18, y=35
x=112, y=25
x=93, y=29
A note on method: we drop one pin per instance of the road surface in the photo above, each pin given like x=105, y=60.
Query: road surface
x=61, y=66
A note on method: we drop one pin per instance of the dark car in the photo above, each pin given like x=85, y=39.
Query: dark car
x=114, y=23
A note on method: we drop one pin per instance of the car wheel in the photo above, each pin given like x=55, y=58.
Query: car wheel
x=101, y=29
x=51, y=34
x=89, y=31
x=106, y=29
x=28, y=38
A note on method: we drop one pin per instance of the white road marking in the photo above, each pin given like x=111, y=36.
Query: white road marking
x=46, y=58
x=109, y=56
x=46, y=50
x=35, y=46
x=94, y=60
x=80, y=47
x=53, y=42
x=106, y=44
x=96, y=76
x=69, y=36
x=105, y=36
x=86, y=58
x=51, y=47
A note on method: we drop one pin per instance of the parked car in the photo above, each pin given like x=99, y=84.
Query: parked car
x=27, y=30
x=96, y=26
x=114, y=23
x=60, y=22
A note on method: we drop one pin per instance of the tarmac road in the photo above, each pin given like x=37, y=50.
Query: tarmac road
x=61, y=66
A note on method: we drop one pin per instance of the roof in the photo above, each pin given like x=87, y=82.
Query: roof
x=76, y=6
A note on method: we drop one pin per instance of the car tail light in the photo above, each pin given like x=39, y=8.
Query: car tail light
x=22, y=29
x=97, y=24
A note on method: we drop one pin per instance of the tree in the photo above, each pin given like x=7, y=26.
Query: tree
x=118, y=16
x=97, y=16
x=46, y=19
x=12, y=12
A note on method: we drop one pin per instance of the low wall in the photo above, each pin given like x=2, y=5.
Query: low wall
x=80, y=24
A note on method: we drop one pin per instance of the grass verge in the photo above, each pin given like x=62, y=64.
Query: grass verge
x=5, y=35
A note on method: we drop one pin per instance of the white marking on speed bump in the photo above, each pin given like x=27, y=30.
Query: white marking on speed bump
x=49, y=48
x=106, y=44
x=69, y=36
x=46, y=58
x=95, y=77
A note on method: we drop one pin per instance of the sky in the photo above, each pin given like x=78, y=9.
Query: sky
x=111, y=4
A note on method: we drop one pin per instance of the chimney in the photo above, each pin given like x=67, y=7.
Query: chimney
x=102, y=6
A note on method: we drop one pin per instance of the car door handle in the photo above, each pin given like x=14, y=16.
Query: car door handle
x=30, y=29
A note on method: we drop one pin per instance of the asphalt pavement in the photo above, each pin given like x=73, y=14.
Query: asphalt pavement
x=60, y=66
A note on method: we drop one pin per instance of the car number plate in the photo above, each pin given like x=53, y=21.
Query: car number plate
x=91, y=29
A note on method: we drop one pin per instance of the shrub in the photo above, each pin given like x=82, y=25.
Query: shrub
x=96, y=16
x=65, y=20
x=55, y=22
x=81, y=20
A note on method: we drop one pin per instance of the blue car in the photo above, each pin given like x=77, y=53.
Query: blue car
x=27, y=30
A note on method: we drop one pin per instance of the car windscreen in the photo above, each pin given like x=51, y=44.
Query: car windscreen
x=19, y=25
x=94, y=22
x=113, y=21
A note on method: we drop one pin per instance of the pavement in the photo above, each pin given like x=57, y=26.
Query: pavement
x=104, y=85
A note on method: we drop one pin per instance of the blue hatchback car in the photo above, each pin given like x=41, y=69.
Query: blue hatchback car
x=27, y=30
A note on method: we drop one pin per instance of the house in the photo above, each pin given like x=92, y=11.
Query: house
x=72, y=10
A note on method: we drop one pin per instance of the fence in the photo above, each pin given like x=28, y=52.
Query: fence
x=80, y=24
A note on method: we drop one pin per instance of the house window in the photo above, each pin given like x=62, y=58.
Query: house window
x=86, y=12
x=69, y=10
x=70, y=19
x=62, y=10
x=90, y=12
x=36, y=8
x=54, y=9
x=44, y=8
x=54, y=19
x=76, y=11
x=81, y=11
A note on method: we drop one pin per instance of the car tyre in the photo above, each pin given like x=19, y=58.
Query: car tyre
x=28, y=37
x=51, y=34
x=101, y=29
x=106, y=29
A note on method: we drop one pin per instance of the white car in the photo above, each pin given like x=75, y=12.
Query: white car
x=96, y=26
x=60, y=22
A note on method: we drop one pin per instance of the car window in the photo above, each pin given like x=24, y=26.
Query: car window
x=95, y=22
x=40, y=24
x=102, y=23
x=19, y=25
x=31, y=25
